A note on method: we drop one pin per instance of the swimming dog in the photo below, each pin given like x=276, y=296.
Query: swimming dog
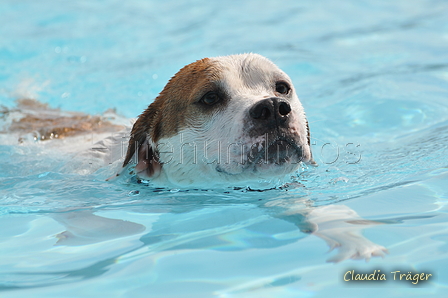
x=221, y=121
x=228, y=121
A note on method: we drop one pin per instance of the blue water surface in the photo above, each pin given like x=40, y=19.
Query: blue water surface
x=373, y=78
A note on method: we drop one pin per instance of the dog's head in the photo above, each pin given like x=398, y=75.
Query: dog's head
x=222, y=120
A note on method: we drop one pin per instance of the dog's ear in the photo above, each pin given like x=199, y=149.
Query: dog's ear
x=312, y=161
x=308, y=133
x=141, y=146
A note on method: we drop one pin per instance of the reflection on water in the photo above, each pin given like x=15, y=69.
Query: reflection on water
x=195, y=222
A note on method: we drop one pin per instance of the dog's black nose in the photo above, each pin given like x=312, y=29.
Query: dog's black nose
x=270, y=111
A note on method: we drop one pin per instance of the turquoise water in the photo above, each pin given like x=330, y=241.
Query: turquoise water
x=373, y=78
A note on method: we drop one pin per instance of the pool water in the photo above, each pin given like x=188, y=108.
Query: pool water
x=373, y=78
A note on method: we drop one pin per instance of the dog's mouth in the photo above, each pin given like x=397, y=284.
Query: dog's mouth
x=264, y=155
x=279, y=151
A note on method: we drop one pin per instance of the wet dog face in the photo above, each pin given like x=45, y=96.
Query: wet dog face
x=222, y=120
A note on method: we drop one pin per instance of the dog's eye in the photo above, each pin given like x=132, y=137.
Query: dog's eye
x=210, y=98
x=282, y=87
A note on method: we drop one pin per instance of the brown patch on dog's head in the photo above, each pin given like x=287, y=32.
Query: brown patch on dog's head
x=169, y=113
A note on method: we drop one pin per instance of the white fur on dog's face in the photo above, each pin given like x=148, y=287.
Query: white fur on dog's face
x=232, y=124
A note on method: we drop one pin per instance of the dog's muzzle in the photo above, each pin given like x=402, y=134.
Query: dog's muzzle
x=270, y=118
